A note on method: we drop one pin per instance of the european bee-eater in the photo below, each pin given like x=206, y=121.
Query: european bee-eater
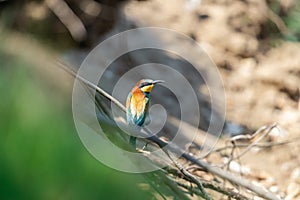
x=137, y=104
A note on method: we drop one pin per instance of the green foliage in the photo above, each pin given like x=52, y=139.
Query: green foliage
x=292, y=21
x=290, y=17
x=41, y=156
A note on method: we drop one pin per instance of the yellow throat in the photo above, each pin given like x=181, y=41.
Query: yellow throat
x=147, y=88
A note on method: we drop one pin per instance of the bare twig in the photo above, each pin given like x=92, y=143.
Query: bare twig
x=260, y=145
x=65, y=14
x=98, y=89
x=267, y=130
x=254, y=135
x=216, y=188
x=192, y=178
x=205, y=184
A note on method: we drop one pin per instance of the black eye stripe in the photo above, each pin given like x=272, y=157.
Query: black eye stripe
x=145, y=84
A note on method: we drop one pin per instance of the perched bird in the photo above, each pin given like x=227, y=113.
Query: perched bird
x=137, y=104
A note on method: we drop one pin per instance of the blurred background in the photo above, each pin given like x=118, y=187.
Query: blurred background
x=254, y=43
x=42, y=156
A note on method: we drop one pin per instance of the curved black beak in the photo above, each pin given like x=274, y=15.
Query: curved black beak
x=158, y=81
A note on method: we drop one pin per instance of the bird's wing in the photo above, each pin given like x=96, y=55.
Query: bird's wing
x=128, y=108
x=128, y=101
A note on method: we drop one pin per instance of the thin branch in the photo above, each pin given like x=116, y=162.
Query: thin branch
x=68, y=69
x=216, y=188
x=206, y=184
x=192, y=178
x=65, y=14
x=264, y=128
x=260, y=145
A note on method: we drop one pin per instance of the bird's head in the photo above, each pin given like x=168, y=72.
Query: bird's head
x=146, y=85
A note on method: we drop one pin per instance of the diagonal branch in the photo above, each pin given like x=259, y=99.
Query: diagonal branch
x=65, y=14
x=68, y=69
x=262, y=192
